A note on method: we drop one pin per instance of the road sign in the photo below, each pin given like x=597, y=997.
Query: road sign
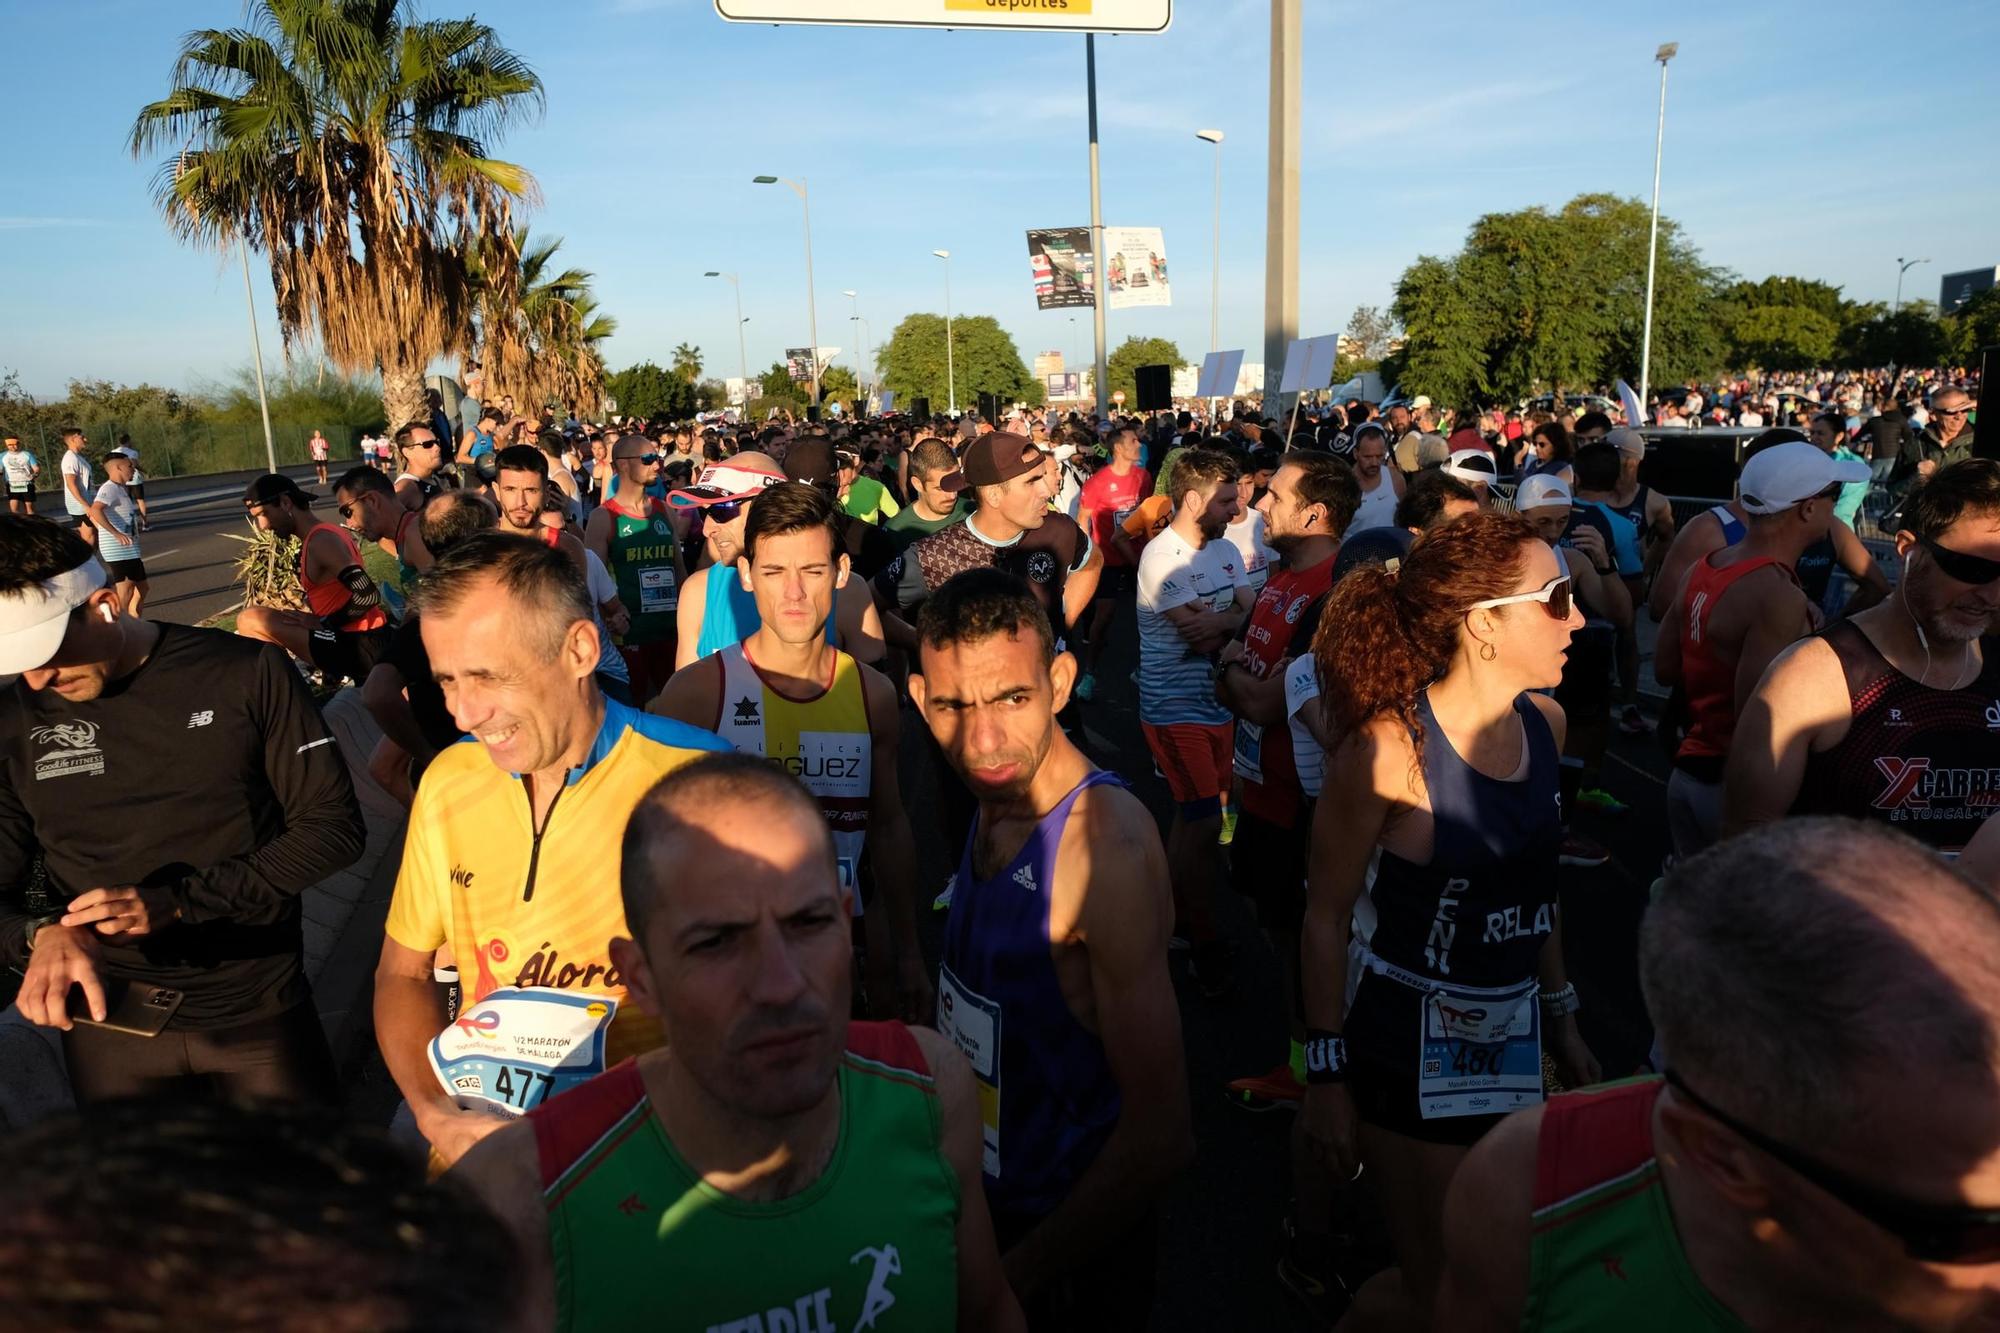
x=1119, y=398
x=1131, y=16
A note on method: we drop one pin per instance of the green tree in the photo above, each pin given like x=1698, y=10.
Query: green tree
x=687, y=362
x=1781, y=337
x=540, y=328
x=347, y=141
x=1913, y=336
x=985, y=360
x=777, y=382
x=1975, y=325
x=1371, y=332
x=1121, y=368
x=649, y=390
x=837, y=382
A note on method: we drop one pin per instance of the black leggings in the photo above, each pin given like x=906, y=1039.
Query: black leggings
x=284, y=1056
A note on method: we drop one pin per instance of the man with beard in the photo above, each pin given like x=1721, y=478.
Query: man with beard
x=1894, y=713
x=633, y=535
x=345, y=631
x=833, y=1166
x=1054, y=978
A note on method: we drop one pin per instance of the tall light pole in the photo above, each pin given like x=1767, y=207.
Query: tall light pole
x=742, y=358
x=812, y=310
x=1903, y=266
x=1099, y=261
x=854, y=318
x=1667, y=51
x=1215, y=275
x=950, y=370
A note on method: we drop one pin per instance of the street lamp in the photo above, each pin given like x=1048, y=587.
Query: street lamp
x=950, y=371
x=1667, y=51
x=1903, y=266
x=1215, y=275
x=854, y=318
x=742, y=358
x=812, y=311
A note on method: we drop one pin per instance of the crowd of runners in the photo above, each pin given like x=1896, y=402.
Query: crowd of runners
x=663, y=700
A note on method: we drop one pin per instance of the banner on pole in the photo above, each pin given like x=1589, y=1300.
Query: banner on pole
x=1060, y=259
x=1137, y=273
x=1309, y=364
x=798, y=362
x=1218, y=374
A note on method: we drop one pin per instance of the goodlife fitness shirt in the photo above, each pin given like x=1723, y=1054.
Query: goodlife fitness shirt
x=207, y=771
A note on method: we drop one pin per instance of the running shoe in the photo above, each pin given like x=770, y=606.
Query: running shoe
x=1228, y=834
x=943, y=901
x=1212, y=968
x=1277, y=1090
x=1578, y=850
x=1086, y=685
x=1323, y=1295
x=1600, y=800
x=1633, y=723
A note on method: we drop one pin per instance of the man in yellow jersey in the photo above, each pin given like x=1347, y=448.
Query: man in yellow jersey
x=1820, y=1153
x=508, y=854
x=775, y=1166
x=787, y=694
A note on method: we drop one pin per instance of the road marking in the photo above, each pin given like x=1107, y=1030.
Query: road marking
x=162, y=555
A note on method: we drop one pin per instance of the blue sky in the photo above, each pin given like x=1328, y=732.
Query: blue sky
x=1822, y=139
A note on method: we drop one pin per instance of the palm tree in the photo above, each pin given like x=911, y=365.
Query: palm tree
x=687, y=362
x=346, y=141
x=538, y=331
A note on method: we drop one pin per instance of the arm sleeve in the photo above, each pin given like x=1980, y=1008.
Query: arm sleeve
x=1084, y=546
x=602, y=589
x=308, y=779
x=901, y=582
x=1163, y=585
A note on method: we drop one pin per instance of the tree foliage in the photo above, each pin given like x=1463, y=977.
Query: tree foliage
x=1121, y=368
x=649, y=390
x=984, y=360
x=1371, y=332
x=1976, y=325
x=539, y=328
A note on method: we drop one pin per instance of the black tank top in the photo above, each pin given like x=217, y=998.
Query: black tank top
x=1924, y=760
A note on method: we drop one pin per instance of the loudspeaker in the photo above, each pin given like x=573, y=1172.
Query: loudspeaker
x=812, y=412
x=1156, y=388
x=920, y=409
x=1987, y=445
x=989, y=407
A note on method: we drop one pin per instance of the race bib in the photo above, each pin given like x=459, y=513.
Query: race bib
x=1249, y=751
x=520, y=1046
x=656, y=590
x=972, y=1022
x=1479, y=1053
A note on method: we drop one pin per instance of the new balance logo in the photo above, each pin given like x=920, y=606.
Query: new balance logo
x=201, y=719
x=1025, y=877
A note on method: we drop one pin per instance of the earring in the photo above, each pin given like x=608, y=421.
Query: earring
x=1487, y=652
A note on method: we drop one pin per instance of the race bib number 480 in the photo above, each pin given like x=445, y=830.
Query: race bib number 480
x=1480, y=1052
x=520, y=1046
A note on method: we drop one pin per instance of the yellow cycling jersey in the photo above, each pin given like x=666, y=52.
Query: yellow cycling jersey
x=525, y=910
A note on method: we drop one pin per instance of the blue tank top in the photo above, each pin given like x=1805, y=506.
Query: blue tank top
x=1480, y=911
x=1814, y=569
x=729, y=613
x=1624, y=536
x=1046, y=1093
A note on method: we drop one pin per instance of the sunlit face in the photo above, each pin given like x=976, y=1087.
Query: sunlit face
x=528, y=706
x=1531, y=644
x=934, y=496
x=363, y=514
x=1952, y=611
x=1287, y=520
x=1214, y=508
x=1823, y=433
x=746, y=958
x=1369, y=455
x=794, y=578
x=519, y=495
x=992, y=706
x=1023, y=501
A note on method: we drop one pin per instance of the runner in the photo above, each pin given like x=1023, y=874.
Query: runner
x=1109, y=498
x=115, y=515
x=1381, y=486
x=137, y=486
x=19, y=468
x=75, y=469
x=787, y=694
x=931, y=506
x=422, y=453
x=184, y=792
x=1444, y=779
x=1247, y=529
x=1752, y=1188
x=372, y=509
x=507, y=842
x=346, y=631
x=320, y=451
x=863, y=497
x=1892, y=714
x=863, y=1210
x=1652, y=518
x=634, y=537
x=1736, y=611
x=1059, y=996
x=1433, y=500
x=1192, y=600
x=869, y=549
x=478, y=440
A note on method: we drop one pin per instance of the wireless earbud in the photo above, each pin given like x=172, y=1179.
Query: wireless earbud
x=108, y=614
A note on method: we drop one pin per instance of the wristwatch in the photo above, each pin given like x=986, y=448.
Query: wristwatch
x=35, y=925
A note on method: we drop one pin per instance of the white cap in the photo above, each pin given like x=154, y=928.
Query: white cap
x=34, y=620
x=1784, y=474
x=1473, y=466
x=1629, y=441
x=1420, y=402
x=1544, y=488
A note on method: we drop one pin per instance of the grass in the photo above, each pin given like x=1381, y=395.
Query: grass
x=381, y=567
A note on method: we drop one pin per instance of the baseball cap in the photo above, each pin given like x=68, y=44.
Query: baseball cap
x=1629, y=441
x=1544, y=488
x=811, y=461
x=34, y=620
x=1784, y=474
x=1472, y=465
x=992, y=459
x=272, y=486
x=739, y=478
x=1420, y=402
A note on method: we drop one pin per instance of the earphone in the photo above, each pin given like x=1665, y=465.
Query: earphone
x=108, y=614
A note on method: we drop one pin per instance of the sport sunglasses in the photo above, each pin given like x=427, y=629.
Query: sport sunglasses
x=1974, y=569
x=1930, y=1232
x=1553, y=595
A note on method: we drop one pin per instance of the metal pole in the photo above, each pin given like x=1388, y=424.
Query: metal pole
x=1099, y=268
x=812, y=310
x=950, y=368
x=257, y=347
x=742, y=356
x=854, y=318
x=1281, y=244
x=1901, y=269
x=1215, y=277
x=1653, y=243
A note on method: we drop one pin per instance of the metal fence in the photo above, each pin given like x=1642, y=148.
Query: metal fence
x=175, y=448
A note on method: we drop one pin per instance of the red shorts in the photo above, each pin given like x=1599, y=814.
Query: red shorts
x=1195, y=756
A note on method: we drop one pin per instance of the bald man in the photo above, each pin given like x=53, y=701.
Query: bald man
x=1821, y=1153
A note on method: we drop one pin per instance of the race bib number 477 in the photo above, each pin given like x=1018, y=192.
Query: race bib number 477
x=520, y=1046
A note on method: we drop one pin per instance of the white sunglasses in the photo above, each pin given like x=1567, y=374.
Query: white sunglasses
x=1554, y=597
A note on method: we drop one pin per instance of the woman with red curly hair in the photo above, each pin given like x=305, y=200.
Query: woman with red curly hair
x=1432, y=956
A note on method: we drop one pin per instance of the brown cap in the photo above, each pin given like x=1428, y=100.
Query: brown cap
x=993, y=458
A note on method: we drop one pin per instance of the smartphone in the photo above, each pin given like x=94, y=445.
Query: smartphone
x=129, y=1006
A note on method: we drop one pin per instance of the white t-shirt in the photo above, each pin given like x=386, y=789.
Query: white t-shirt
x=74, y=464
x=1246, y=534
x=19, y=467
x=602, y=586
x=1302, y=688
x=123, y=510
x=1174, y=679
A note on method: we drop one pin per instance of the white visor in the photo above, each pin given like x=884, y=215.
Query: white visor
x=34, y=620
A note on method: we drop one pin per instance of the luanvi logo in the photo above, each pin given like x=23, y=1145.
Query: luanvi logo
x=72, y=751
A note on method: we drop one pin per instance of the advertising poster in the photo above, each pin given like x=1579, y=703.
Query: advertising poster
x=1060, y=259
x=1137, y=276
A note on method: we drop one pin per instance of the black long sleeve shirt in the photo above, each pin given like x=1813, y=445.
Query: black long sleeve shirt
x=208, y=771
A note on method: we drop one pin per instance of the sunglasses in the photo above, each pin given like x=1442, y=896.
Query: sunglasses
x=1554, y=597
x=1930, y=1232
x=642, y=458
x=347, y=510
x=724, y=511
x=1974, y=569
